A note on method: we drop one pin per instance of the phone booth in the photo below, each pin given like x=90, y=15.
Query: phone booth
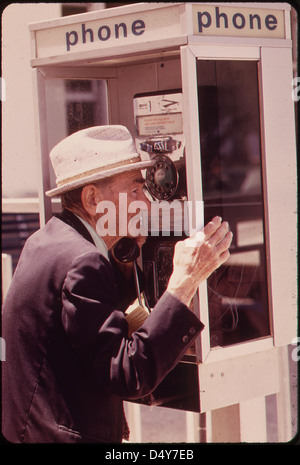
x=206, y=91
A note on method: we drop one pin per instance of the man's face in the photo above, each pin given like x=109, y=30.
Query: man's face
x=126, y=191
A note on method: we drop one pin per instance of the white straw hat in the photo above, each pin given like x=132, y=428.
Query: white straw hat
x=92, y=154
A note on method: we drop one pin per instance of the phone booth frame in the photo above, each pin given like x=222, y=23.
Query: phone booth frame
x=58, y=54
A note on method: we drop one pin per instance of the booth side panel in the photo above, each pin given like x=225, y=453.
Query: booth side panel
x=221, y=383
x=281, y=188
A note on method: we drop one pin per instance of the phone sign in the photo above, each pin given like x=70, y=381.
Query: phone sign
x=237, y=21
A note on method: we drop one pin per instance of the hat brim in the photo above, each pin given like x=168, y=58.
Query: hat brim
x=97, y=177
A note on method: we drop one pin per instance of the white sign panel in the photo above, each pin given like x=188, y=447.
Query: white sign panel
x=159, y=114
x=112, y=31
x=160, y=124
x=237, y=21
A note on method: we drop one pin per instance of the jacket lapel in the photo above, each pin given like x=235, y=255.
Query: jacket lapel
x=69, y=218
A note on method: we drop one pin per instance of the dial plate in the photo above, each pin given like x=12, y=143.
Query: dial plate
x=162, y=178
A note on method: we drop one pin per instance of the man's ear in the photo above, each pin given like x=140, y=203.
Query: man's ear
x=89, y=199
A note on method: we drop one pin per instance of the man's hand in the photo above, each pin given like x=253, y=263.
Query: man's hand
x=197, y=257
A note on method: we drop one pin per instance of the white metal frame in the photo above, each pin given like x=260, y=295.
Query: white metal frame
x=40, y=76
x=243, y=404
x=279, y=211
x=114, y=51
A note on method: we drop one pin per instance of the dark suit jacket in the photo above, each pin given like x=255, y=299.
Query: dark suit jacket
x=69, y=362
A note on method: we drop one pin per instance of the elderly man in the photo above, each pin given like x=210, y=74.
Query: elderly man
x=69, y=359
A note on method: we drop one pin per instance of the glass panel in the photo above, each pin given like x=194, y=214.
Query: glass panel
x=228, y=100
x=84, y=104
x=73, y=104
x=157, y=266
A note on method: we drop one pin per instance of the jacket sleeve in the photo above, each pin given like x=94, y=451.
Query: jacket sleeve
x=98, y=331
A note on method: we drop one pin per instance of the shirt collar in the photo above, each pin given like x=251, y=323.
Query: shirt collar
x=99, y=242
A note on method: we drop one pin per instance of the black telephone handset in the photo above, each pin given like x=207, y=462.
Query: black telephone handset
x=127, y=250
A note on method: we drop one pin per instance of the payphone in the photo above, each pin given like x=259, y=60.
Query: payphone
x=232, y=189
x=194, y=83
x=159, y=135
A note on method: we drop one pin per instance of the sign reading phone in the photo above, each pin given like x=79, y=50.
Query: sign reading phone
x=236, y=21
